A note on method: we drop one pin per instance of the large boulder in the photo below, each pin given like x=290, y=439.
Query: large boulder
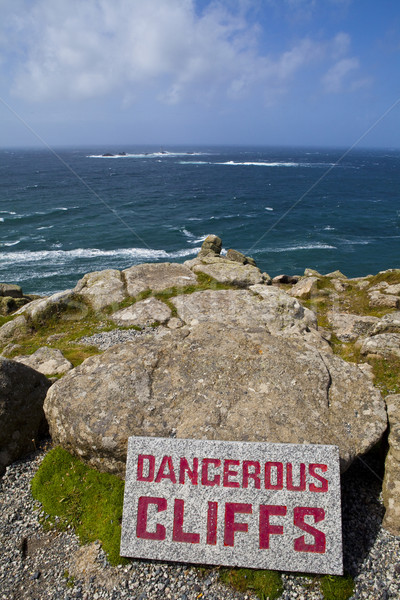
x=229, y=271
x=211, y=246
x=213, y=381
x=48, y=361
x=348, y=327
x=391, y=482
x=59, y=303
x=157, y=277
x=12, y=330
x=102, y=288
x=10, y=289
x=22, y=392
x=142, y=313
x=386, y=345
x=305, y=288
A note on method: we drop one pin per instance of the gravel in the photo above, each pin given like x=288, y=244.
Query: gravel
x=40, y=565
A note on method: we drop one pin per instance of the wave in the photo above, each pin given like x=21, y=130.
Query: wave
x=268, y=208
x=162, y=154
x=311, y=246
x=7, y=212
x=6, y=244
x=259, y=164
x=60, y=256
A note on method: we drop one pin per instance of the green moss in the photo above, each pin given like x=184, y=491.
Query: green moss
x=73, y=494
x=266, y=584
x=386, y=374
x=391, y=277
x=334, y=587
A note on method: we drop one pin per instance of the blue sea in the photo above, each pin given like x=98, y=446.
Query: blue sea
x=66, y=212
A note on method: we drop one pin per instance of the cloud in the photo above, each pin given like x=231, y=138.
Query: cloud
x=336, y=78
x=175, y=50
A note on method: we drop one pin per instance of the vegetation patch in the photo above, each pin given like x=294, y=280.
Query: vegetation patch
x=266, y=584
x=334, y=587
x=74, y=495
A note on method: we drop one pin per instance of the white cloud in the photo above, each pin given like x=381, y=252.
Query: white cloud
x=337, y=77
x=127, y=48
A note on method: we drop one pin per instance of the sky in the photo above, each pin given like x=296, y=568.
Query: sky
x=200, y=72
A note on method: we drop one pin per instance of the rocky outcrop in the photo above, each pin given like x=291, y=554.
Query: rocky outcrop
x=386, y=345
x=236, y=256
x=391, y=482
x=211, y=246
x=11, y=290
x=22, y=391
x=213, y=381
x=304, y=288
x=379, y=300
x=43, y=308
x=12, y=330
x=348, y=327
x=48, y=361
x=157, y=277
x=231, y=272
x=389, y=323
x=143, y=313
x=102, y=288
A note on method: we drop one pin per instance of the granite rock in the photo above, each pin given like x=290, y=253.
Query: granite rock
x=22, y=392
x=41, y=309
x=305, y=288
x=48, y=361
x=157, y=277
x=214, y=381
x=227, y=271
x=379, y=300
x=278, y=279
x=348, y=327
x=10, y=289
x=12, y=330
x=142, y=313
x=389, y=323
x=211, y=246
x=102, y=288
x=391, y=482
x=386, y=345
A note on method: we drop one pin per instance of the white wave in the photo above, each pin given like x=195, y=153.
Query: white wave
x=5, y=244
x=268, y=208
x=311, y=246
x=193, y=162
x=7, y=212
x=1, y=220
x=61, y=256
x=199, y=240
x=46, y=227
x=329, y=228
x=161, y=154
x=260, y=164
x=187, y=233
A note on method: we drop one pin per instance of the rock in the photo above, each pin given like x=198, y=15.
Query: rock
x=389, y=323
x=212, y=245
x=378, y=300
x=386, y=345
x=8, y=304
x=10, y=289
x=393, y=289
x=14, y=329
x=236, y=256
x=362, y=285
x=336, y=275
x=348, y=327
x=48, y=361
x=217, y=382
x=285, y=279
x=340, y=285
x=22, y=391
x=266, y=307
x=102, y=288
x=175, y=323
x=226, y=271
x=143, y=313
x=58, y=304
x=391, y=481
x=305, y=288
x=157, y=277
x=312, y=273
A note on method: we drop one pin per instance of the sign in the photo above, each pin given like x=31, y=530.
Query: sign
x=259, y=505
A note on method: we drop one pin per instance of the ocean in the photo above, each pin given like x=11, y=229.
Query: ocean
x=67, y=213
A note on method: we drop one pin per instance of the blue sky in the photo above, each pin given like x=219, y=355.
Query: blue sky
x=167, y=72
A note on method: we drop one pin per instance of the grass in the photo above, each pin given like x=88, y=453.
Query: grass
x=74, y=495
x=337, y=588
x=266, y=584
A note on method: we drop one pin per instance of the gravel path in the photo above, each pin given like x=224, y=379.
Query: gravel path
x=41, y=565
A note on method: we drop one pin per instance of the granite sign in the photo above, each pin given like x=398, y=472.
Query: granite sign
x=260, y=505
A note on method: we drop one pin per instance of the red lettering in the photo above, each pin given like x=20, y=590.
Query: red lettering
x=178, y=534
x=231, y=508
x=151, y=460
x=322, y=480
x=170, y=474
x=141, y=524
x=230, y=473
x=279, y=476
x=192, y=473
x=289, y=478
x=212, y=517
x=204, y=471
x=266, y=529
x=319, y=544
x=255, y=475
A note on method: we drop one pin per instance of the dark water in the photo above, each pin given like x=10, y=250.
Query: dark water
x=61, y=217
